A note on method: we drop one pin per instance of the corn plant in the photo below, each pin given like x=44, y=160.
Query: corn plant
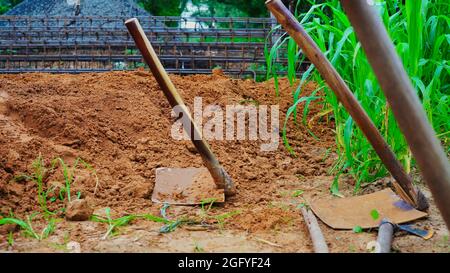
x=419, y=30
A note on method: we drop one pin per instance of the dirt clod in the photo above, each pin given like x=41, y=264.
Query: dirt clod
x=6, y=229
x=78, y=210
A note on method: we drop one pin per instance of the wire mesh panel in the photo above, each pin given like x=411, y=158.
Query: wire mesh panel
x=92, y=44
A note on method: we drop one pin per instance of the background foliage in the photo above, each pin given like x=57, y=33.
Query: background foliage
x=5, y=5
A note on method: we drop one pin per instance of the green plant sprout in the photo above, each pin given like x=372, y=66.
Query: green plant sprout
x=114, y=224
x=10, y=239
x=27, y=227
x=69, y=176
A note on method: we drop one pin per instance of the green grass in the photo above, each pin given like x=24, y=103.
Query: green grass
x=115, y=223
x=205, y=213
x=27, y=227
x=69, y=175
x=420, y=32
x=40, y=176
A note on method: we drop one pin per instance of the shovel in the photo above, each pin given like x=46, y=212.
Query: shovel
x=182, y=186
x=403, y=182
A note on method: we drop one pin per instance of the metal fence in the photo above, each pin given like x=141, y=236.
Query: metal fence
x=95, y=44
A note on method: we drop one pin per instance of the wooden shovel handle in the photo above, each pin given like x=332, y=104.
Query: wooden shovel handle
x=220, y=176
x=348, y=100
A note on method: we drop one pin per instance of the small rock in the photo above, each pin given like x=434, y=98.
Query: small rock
x=73, y=247
x=78, y=210
x=5, y=229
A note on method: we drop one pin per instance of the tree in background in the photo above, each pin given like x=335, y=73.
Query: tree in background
x=251, y=8
x=163, y=8
x=246, y=8
x=218, y=8
x=6, y=5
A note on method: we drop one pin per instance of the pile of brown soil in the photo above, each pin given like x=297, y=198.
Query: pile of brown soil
x=120, y=123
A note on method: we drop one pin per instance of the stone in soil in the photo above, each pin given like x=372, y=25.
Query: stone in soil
x=6, y=229
x=78, y=210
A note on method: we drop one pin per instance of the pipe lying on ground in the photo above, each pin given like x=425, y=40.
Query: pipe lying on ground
x=385, y=236
x=403, y=181
x=318, y=240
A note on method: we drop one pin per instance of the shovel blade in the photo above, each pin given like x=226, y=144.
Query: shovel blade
x=347, y=213
x=185, y=186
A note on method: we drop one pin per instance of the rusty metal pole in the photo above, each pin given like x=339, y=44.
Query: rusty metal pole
x=408, y=111
x=404, y=183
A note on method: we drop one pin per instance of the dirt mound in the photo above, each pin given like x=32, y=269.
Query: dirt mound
x=120, y=124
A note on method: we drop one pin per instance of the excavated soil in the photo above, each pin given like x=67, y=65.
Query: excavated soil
x=120, y=124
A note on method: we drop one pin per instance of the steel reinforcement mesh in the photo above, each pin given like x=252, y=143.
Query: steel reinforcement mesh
x=96, y=44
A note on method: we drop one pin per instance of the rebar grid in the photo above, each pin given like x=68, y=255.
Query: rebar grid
x=96, y=44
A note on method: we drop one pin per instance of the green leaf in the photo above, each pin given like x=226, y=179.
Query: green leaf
x=375, y=215
x=335, y=187
x=357, y=229
x=297, y=193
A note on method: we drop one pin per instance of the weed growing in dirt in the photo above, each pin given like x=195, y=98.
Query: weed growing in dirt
x=62, y=246
x=69, y=176
x=27, y=227
x=171, y=225
x=39, y=176
x=41, y=172
x=206, y=206
x=10, y=239
x=114, y=224
x=223, y=217
x=419, y=30
x=299, y=194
